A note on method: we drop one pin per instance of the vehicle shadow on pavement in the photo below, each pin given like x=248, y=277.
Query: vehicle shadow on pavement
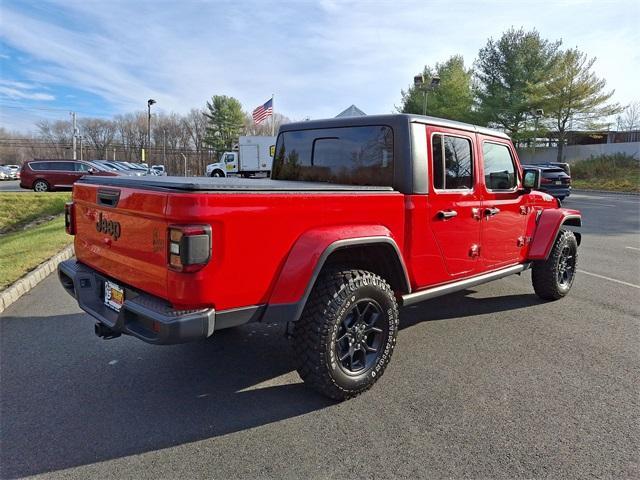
x=460, y=304
x=68, y=398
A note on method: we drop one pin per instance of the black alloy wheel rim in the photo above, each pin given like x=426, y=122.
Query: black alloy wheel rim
x=360, y=337
x=566, y=266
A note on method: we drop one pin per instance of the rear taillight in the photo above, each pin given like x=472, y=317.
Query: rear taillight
x=189, y=247
x=69, y=221
x=546, y=180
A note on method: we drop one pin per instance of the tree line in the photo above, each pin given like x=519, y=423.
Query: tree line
x=523, y=84
x=199, y=135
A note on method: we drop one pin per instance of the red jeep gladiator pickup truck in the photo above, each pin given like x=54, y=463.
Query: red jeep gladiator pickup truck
x=362, y=216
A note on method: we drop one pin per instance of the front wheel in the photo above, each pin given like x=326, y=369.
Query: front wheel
x=217, y=173
x=346, y=335
x=41, y=186
x=552, y=278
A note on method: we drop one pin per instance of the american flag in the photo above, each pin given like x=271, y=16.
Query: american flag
x=263, y=111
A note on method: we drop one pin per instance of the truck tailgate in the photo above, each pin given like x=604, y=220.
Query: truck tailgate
x=121, y=232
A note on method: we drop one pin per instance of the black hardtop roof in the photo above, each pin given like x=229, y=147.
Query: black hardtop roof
x=397, y=120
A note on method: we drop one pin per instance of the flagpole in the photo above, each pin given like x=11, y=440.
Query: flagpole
x=273, y=118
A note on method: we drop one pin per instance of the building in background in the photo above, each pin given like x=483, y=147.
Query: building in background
x=352, y=111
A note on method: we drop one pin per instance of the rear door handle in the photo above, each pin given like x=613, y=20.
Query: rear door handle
x=445, y=214
x=489, y=212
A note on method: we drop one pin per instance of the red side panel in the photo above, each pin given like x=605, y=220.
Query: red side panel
x=546, y=231
x=306, y=252
x=254, y=233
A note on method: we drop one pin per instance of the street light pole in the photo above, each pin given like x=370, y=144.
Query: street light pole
x=164, y=146
x=419, y=83
x=150, y=102
x=185, y=163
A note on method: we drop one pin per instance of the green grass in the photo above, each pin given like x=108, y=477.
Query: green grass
x=617, y=172
x=18, y=209
x=22, y=251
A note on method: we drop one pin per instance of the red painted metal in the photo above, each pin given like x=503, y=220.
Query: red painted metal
x=546, y=232
x=455, y=236
x=56, y=179
x=265, y=245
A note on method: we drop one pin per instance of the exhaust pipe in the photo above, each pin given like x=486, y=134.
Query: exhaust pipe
x=105, y=332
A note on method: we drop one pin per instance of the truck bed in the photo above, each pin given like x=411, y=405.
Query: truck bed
x=212, y=184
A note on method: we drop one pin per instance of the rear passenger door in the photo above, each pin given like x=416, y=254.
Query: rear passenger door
x=62, y=174
x=504, y=208
x=454, y=199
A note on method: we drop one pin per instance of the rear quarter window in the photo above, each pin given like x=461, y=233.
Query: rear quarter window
x=39, y=166
x=347, y=155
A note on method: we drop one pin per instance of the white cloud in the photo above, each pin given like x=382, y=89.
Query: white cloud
x=318, y=58
x=22, y=91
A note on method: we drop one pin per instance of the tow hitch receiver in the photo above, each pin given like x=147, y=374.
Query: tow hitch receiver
x=105, y=332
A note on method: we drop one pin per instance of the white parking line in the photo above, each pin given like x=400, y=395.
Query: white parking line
x=633, y=248
x=597, y=204
x=610, y=279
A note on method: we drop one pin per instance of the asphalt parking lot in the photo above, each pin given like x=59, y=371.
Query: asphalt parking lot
x=11, y=186
x=487, y=383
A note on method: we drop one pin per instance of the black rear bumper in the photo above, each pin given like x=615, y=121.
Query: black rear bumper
x=556, y=190
x=144, y=316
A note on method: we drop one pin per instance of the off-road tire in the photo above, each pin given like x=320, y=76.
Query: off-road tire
x=337, y=294
x=546, y=274
x=41, y=186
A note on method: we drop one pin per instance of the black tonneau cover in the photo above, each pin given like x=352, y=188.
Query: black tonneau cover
x=227, y=184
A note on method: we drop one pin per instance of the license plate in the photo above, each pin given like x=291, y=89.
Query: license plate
x=113, y=295
x=558, y=182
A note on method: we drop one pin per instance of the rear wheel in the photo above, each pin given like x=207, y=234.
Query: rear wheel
x=346, y=335
x=552, y=278
x=40, y=186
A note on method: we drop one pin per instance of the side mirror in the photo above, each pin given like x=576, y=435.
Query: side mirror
x=92, y=170
x=531, y=178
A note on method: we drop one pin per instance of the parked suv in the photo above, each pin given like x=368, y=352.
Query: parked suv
x=555, y=179
x=362, y=216
x=45, y=175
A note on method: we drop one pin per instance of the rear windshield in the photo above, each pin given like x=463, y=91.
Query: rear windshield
x=347, y=155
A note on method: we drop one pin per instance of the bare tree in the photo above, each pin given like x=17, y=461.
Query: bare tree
x=264, y=128
x=58, y=135
x=99, y=134
x=630, y=118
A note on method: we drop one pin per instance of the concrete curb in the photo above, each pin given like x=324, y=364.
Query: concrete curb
x=24, y=284
x=609, y=192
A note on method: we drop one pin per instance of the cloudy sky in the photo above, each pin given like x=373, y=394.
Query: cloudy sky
x=101, y=58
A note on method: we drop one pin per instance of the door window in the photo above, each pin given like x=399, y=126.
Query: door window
x=62, y=166
x=81, y=167
x=452, y=163
x=40, y=166
x=229, y=158
x=499, y=170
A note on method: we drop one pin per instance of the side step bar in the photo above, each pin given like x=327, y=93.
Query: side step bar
x=417, y=297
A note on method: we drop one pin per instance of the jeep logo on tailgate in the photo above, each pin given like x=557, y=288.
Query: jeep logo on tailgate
x=108, y=226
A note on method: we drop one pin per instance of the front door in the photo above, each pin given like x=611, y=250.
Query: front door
x=231, y=162
x=454, y=199
x=504, y=208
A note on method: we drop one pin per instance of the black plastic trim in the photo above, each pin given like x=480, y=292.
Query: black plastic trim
x=144, y=316
x=293, y=311
x=238, y=316
x=447, y=288
x=107, y=198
